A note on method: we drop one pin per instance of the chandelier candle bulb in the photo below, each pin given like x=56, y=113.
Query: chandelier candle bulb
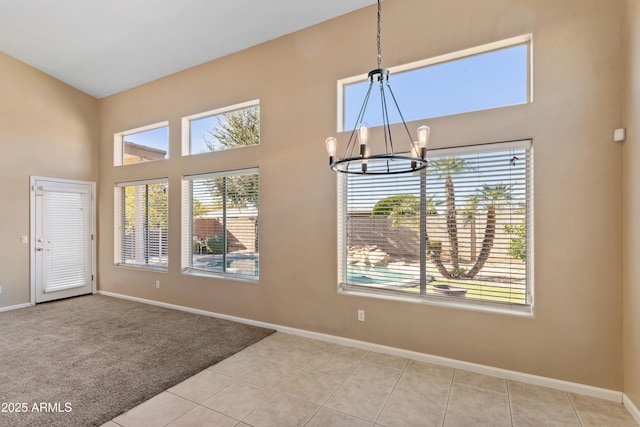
x=331, y=148
x=365, y=155
x=423, y=140
x=414, y=153
x=363, y=136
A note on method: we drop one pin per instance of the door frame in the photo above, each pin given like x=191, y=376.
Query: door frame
x=32, y=230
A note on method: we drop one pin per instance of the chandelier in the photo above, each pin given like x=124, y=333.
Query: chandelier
x=365, y=157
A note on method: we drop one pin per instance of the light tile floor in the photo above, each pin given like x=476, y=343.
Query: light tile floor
x=285, y=380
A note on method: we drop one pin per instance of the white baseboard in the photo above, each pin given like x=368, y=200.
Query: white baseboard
x=571, y=387
x=631, y=407
x=14, y=307
x=191, y=310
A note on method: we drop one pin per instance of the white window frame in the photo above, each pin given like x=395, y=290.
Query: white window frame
x=504, y=308
x=187, y=225
x=118, y=142
x=186, y=124
x=119, y=212
x=486, y=48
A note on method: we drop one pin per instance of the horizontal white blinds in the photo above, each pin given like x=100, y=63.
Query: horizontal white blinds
x=224, y=223
x=67, y=239
x=142, y=208
x=466, y=219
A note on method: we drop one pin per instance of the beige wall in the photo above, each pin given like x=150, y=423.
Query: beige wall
x=576, y=332
x=631, y=212
x=47, y=129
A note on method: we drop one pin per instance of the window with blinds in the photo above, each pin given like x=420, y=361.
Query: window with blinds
x=142, y=223
x=220, y=228
x=458, y=231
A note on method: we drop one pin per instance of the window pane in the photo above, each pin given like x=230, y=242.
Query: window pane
x=488, y=80
x=144, y=231
x=230, y=129
x=224, y=224
x=145, y=146
x=475, y=244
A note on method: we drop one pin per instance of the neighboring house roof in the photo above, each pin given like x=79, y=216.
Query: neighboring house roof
x=147, y=153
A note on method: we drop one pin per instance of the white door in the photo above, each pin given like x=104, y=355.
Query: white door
x=62, y=229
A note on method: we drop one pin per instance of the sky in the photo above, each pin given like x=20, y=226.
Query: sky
x=494, y=79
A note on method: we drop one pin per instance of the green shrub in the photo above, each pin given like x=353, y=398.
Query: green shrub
x=214, y=244
x=518, y=243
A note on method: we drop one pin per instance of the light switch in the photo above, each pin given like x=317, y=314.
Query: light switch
x=25, y=240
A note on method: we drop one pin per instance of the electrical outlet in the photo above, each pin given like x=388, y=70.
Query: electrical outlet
x=361, y=315
x=157, y=284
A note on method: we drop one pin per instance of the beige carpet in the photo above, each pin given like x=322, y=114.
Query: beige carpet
x=83, y=361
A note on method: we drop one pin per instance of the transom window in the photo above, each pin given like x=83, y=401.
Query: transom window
x=141, y=218
x=143, y=144
x=220, y=224
x=489, y=76
x=222, y=129
x=459, y=231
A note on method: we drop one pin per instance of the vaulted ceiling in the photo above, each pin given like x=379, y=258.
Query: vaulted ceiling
x=102, y=47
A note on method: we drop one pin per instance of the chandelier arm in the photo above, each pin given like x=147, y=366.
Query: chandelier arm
x=406, y=128
x=386, y=127
x=348, y=151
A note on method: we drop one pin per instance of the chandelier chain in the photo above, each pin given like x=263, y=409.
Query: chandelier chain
x=378, y=36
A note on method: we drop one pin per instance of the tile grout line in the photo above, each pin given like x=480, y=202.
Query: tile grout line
x=446, y=407
x=575, y=411
x=509, y=402
x=276, y=391
x=342, y=383
x=259, y=406
x=201, y=404
x=384, y=405
x=252, y=354
x=303, y=370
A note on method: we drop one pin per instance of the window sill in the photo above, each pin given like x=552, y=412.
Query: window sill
x=159, y=269
x=442, y=301
x=219, y=275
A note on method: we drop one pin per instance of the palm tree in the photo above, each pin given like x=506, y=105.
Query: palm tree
x=492, y=196
x=470, y=211
x=446, y=167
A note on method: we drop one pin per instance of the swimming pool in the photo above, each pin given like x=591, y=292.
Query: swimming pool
x=382, y=276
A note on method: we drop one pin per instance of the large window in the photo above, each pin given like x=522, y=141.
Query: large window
x=141, y=223
x=220, y=224
x=143, y=144
x=459, y=230
x=489, y=76
x=222, y=129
